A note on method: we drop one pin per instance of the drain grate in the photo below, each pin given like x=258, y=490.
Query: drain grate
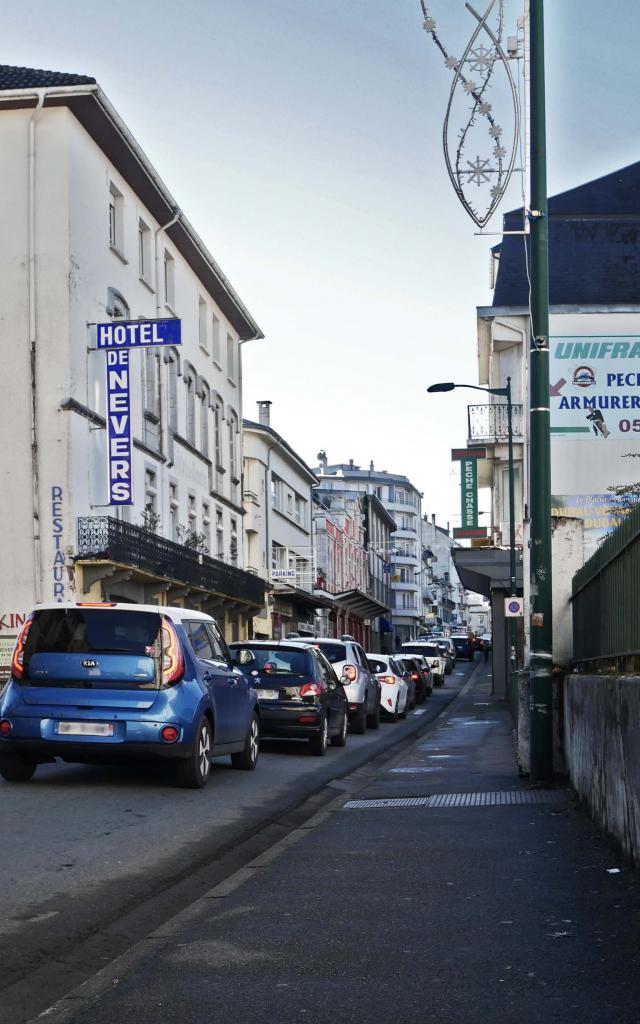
x=509, y=798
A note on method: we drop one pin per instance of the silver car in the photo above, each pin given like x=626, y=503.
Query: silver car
x=360, y=684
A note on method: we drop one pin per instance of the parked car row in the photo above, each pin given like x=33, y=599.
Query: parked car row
x=104, y=682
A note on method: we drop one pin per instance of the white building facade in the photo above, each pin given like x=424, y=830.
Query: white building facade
x=92, y=235
x=277, y=496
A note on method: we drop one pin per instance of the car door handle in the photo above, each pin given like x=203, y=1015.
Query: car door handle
x=207, y=675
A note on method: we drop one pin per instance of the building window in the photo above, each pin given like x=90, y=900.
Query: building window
x=151, y=399
x=144, y=252
x=116, y=219
x=117, y=305
x=233, y=546
x=202, y=324
x=279, y=556
x=276, y=491
x=217, y=432
x=233, y=454
x=215, y=340
x=192, y=521
x=174, y=511
x=206, y=524
x=150, y=496
x=299, y=509
x=205, y=402
x=231, y=359
x=219, y=535
x=172, y=391
x=169, y=279
x=190, y=406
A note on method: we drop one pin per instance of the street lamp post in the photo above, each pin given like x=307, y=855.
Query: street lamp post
x=506, y=393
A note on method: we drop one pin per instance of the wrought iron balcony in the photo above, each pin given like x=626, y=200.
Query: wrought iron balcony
x=102, y=538
x=488, y=423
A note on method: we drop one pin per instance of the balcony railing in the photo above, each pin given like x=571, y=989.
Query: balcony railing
x=489, y=423
x=105, y=538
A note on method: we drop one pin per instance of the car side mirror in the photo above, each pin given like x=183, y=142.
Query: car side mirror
x=344, y=680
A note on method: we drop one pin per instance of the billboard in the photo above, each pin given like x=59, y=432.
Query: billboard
x=594, y=510
x=594, y=387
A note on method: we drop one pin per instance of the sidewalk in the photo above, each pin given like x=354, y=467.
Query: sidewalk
x=445, y=908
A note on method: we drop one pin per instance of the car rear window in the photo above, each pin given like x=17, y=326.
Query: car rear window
x=460, y=641
x=333, y=652
x=429, y=650
x=92, y=630
x=274, y=661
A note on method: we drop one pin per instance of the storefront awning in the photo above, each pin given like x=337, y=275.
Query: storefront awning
x=485, y=569
x=359, y=603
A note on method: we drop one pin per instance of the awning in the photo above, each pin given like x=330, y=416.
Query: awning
x=359, y=603
x=297, y=596
x=485, y=569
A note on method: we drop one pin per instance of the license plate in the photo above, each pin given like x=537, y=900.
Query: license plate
x=85, y=729
x=267, y=694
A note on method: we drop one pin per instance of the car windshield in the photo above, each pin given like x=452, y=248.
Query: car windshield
x=274, y=661
x=333, y=652
x=91, y=631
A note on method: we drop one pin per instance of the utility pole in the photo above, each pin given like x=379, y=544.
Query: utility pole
x=541, y=666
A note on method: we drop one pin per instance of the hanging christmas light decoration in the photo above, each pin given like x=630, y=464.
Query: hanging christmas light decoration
x=480, y=158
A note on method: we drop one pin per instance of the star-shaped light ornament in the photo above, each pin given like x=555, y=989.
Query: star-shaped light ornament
x=478, y=171
x=500, y=152
x=485, y=108
x=453, y=63
x=495, y=132
x=429, y=24
x=481, y=59
x=496, y=191
x=470, y=86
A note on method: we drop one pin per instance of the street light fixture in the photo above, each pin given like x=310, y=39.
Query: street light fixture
x=506, y=393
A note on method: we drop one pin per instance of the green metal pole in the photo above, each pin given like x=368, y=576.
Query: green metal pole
x=512, y=533
x=541, y=666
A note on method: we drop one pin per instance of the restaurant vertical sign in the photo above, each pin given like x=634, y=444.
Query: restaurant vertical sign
x=468, y=459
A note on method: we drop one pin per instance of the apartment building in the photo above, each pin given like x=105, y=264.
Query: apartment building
x=92, y=235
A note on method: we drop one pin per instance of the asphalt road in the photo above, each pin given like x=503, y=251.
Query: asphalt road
x=92, y=858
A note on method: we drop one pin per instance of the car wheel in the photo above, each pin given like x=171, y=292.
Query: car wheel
x=318, y=743
x=15, y=768
x=373, y=720
x=341, y=739
x=359, y=720
x=193, y=772
x=247, y=759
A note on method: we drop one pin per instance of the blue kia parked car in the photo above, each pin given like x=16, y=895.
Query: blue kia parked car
x=112, y=682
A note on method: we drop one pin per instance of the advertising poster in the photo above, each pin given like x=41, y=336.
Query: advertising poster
x=595, y=387
x=594, y=510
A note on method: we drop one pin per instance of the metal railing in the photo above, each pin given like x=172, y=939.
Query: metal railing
x=606, y=603
x=106, y=538
x=489, y=422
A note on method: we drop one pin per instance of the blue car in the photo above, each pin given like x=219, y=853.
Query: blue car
x=96, y=683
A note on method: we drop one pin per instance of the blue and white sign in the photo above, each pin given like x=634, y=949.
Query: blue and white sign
x=594, y=387
x=138, y=333
x=119, y=428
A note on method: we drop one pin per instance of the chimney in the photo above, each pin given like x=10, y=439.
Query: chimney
x=322, y=460
x=264, y=413
x=433, y=518
x=371, y=466
x=351, y=466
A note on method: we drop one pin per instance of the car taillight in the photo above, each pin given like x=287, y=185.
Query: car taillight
x=169, y=734
x=415, y=676
x=311, y=689
x=351, y=672
x=5, y=727
x=17, y=661
x=387, y=679
x=172, y=660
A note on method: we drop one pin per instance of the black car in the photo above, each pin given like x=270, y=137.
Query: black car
x=299, y=694
x=464, y=647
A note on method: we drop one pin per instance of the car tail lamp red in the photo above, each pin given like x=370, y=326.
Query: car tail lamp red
x=307, y=719
x=5, y=727
x=311, y=689
x=387, y=679
x=351, y=672
x=172, y=659
x=415, y=677
x=169, y=734
x=17, y=661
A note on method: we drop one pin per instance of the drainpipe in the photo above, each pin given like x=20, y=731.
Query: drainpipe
x=164, y=401
x=33, y=337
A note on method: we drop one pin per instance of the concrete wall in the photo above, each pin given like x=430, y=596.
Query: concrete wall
x=602, y=750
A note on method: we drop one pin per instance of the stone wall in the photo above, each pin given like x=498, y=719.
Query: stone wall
x=602, y=751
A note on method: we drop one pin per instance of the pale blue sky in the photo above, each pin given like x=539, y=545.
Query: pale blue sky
x=302, y=140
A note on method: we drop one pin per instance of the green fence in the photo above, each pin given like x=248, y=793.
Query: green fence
x=606, y=603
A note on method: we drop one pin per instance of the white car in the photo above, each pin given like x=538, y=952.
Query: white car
x=433, y=656
x=395, y=689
